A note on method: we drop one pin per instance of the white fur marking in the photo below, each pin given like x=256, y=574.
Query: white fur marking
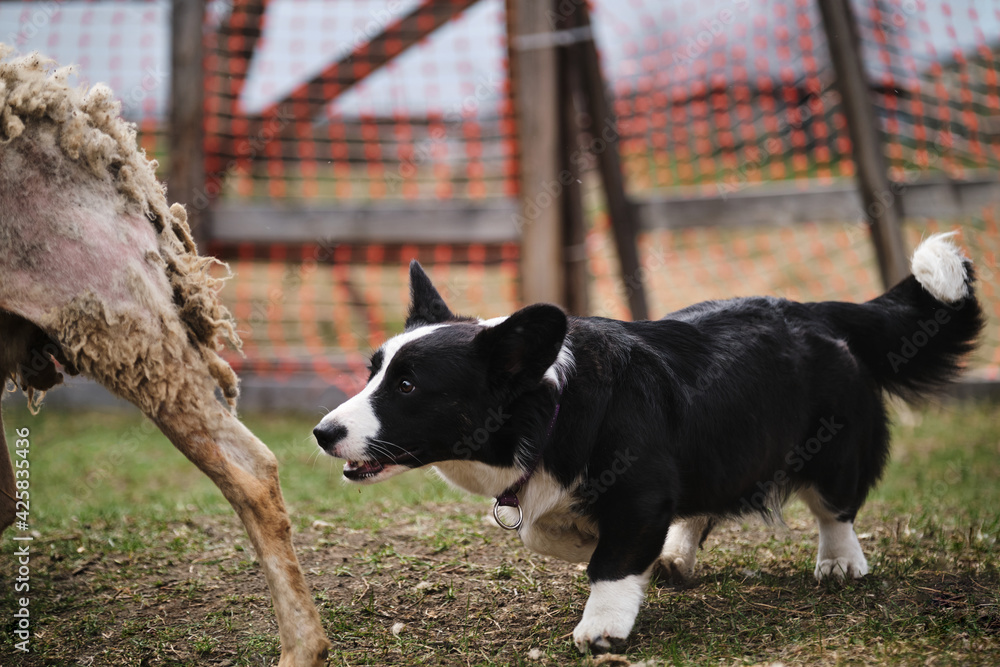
x=840, y=554
x=558, y=373
x=357, y=414
x=680, y=551
x=610, y=612
x=476, y=477
x=550, y=526
x=938, y=265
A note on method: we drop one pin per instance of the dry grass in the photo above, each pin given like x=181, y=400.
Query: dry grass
x=137, y=560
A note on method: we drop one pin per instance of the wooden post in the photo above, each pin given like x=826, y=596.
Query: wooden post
x=534, y=87
x=883, y=205
x=624, y=222
x=574, y=228
x=186, y=157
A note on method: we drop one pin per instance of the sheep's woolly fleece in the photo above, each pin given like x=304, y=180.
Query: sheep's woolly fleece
x=86, y=124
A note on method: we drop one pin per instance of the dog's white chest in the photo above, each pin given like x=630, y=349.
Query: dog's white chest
x=561, y=536
x=549, y=526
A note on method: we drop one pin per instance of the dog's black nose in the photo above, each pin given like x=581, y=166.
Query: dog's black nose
x=329, y=435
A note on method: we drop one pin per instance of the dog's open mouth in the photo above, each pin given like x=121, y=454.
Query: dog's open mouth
x=360, y=471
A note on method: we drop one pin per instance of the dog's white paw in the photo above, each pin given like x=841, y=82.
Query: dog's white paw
x=610, y=612
x=840, y=555
x=845, y=567
x=596, y=634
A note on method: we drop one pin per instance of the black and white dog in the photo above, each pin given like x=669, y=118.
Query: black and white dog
x=619, y=443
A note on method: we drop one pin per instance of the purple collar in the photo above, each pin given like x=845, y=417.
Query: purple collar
x=509, y=497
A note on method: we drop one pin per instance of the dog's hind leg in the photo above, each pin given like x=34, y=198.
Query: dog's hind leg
x=680, y=550
x=840, y=553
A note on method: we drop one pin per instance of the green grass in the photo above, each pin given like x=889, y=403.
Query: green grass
x=111, y=466
x=137, y=559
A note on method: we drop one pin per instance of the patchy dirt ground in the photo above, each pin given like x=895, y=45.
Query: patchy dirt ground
x=424, y=589
x=439, y=585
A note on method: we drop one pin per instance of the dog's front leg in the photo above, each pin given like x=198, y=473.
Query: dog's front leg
x=610, y=612
x=619, y=571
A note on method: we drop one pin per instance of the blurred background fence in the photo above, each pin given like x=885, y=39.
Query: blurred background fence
x=339, y=140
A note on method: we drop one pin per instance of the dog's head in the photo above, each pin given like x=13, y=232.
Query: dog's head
x=439, y=390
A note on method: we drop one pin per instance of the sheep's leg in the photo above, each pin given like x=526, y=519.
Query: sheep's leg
x=90, y=255
x=7, y=490
x=159, y=370
x=175, y=389
x=133, y=342
x=247, y=473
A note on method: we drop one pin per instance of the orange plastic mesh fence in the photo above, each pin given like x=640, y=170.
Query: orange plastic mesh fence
x=934, y=69
x=360, y=100
x=322, y=311
x=723, y=93
x=365, y=100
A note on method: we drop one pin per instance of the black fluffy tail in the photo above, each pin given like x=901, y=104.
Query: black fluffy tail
x=913, y=337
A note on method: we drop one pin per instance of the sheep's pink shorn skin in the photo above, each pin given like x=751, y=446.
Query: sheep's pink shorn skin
x=99, y=274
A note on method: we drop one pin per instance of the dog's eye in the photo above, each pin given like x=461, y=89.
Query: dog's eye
x=405, y=386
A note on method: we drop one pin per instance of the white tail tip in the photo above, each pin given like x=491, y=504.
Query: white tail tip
x=939, y=266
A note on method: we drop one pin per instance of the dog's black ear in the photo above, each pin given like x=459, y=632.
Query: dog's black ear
x=521, y=348
x=426, y=305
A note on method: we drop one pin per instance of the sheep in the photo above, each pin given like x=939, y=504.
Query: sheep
x=98, y=273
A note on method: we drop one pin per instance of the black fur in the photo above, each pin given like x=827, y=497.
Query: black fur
x=722, y=408
x=426, y=305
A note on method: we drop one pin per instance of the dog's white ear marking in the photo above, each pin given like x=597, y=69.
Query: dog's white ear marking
x=680, y=551
x=939, y=266
x=558, y=373
x=610, y=612
x=840, y=554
